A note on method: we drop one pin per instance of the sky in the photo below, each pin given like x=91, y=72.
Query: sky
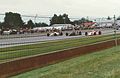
x=74, y=8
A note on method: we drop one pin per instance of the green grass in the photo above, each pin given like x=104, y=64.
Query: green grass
x=102, y=64
x=11, y=53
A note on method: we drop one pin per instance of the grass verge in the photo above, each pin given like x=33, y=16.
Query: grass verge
x=102, y=64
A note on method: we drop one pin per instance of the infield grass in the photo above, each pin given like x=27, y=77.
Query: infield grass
x=102, y=64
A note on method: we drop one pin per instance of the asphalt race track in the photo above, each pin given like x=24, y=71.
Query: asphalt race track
x=32, y=40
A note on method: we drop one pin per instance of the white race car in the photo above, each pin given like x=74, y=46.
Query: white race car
x=54, y=34
x=94, y=33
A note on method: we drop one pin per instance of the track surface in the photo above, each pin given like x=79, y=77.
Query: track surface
x=30, y=40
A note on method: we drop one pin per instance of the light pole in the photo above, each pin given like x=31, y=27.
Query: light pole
x=35, y=19
x=115, y=31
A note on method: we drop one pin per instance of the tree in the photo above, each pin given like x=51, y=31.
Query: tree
x=61, y=19
x=118, y=18
x=66, y=19
x=41, y=24
x=82, y=20
x=30, y=24
x=0, y=25
x=77, y=22
x=44, y=24
x=108, y=18
x=54, y=20
x=13, y=20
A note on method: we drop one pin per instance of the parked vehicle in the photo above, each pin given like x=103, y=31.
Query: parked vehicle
x=7, y=32
x=10, y=31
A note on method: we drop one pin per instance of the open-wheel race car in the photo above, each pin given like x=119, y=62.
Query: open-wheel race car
x=93, y=33
x=55, y=34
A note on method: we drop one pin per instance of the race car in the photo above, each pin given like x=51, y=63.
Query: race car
x=94, y=33
x=55, y=34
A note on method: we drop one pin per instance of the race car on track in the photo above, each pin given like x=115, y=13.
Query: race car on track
x=94, y=33
x=55, y=34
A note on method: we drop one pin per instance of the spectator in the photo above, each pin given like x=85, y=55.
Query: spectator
x=86, y=33
x=94, y=33
x=61, y=33
x=80, y=33
x=48, y=34
x=66, y=34
x=99, y=32
x=55, y=34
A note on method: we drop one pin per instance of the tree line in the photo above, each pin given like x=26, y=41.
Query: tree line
x=14, y=21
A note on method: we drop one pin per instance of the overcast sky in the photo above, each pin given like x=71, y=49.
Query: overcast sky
x=92, y=8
